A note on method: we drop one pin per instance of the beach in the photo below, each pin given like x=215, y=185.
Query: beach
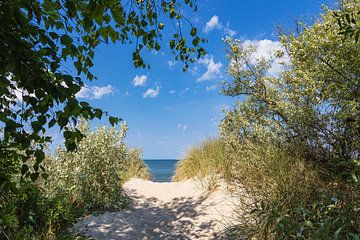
x=164, y=210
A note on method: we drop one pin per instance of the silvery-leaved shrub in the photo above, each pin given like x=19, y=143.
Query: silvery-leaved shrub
x=91, y=175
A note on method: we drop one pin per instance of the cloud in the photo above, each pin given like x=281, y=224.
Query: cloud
x=212, y=24
x=171, y=63
x=212, y=68
x=172, y=92
x=94, y=92
x=183, y=91
x=211, y=87
x=228, y=31
x=139, y=80
x=266, y=48
x=182, y=127
x=151, y=92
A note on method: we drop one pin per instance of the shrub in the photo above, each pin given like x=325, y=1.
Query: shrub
x=294, y=138
x=29, y=214
x=92, y=175
x=283, y=196
x=134, y=166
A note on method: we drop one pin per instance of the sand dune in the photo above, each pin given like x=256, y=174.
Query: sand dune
x=173, y=210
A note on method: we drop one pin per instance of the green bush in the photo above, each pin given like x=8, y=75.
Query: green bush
x=92, y=176
x=78, y=182
x=135, y=167
x=29, y=214
x=292, y=143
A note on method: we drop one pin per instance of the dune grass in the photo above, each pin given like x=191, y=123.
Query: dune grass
x=206, y=161
x=280, y=193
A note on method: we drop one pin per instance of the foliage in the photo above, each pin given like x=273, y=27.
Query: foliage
x=37, y=92
x=349, y=20
x=283, y=196
x=295, y=135
x=31, y=215
x=313, y=104
x=292, y=139
x=38, y=37
x=92, y=175
x=80, y=181
x=135, y=166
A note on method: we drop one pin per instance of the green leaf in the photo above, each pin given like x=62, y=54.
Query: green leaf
x=113, y=120
x=66, y=40
x=34, y=176
x=52, y=123
x=24, y=169
x=172, y=44
x=193, y=32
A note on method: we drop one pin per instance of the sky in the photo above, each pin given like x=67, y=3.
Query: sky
x=167, y=110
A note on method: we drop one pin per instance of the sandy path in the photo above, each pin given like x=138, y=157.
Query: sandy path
x=174, y=210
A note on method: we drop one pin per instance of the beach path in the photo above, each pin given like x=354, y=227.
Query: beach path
x=164, y=210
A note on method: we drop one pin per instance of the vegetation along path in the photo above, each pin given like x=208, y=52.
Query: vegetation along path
x=166, y=210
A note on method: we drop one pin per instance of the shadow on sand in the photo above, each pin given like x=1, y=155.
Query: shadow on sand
x=152, y=219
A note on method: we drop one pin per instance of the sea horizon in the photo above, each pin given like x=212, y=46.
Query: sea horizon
x=161, y=170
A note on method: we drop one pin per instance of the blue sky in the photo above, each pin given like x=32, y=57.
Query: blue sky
x=168, y=111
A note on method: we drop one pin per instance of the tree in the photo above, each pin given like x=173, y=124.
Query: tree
x=38, y=36
x=314, y=103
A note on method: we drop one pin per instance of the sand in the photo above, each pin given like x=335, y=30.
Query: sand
x=167, y=210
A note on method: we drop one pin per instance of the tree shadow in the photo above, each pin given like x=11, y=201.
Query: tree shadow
x=152, y=219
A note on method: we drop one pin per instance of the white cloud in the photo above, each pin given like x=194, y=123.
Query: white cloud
x=183, y=91
x=182, y=127
x=228, y=31
x=212, y=24
x=266, y=48
x=212, y=68
x=172, y=92
x=94, y=92
x=151, y=92
x=171, y=63
x=139, y=80
x=211, y=87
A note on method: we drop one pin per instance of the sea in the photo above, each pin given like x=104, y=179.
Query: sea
x=161, y=170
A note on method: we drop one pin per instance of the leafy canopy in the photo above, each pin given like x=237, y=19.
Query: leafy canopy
x=38, y=36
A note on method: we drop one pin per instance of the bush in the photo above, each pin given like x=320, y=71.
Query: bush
x=134, y=166
x=92, y=176
x=29, y=214
x=292, y=143
x=283, y=196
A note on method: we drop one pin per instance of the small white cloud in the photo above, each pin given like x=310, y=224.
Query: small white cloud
x=265, y=49
x=139, y=80
x=182, y=127
x=212, y=69
x=211, y=87
x=228, y=31
x=172, y=92
x=171, y=63
x=94, y=92
x=183, y=91
x=151, y=92
x=212, y=24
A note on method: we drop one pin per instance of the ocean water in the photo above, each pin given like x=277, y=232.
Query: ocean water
x=161, y=169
